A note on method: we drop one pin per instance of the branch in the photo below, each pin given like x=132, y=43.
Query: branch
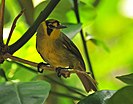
x=13, y=26
x=30, y=32
x=44, y=67
x=2, y=20
x=82, y=36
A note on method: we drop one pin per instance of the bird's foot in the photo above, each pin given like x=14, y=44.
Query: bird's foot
x=62, y=72
x=40, y=65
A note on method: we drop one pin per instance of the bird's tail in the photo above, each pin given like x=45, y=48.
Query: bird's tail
x=88, y=82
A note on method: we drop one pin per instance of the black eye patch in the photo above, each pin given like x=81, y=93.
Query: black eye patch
x=51, y=26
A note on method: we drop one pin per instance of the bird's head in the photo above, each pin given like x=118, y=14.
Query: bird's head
x=50, y=28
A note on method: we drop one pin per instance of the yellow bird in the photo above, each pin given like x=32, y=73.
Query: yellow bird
x=60, y=52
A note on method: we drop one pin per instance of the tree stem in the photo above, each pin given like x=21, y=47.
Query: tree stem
x=2, y=21
x=44, y=67
x=13, y=27
x=83, y=39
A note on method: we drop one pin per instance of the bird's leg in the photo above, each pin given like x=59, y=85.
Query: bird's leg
x=58, y=70
x=64, y=74
x=39, y=65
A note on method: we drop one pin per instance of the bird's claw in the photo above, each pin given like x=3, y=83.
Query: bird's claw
x=60, y=73
x=39, y=66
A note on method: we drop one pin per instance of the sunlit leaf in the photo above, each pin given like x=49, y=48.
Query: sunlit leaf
x=122, y=96
x=24, y=92
x=97, y=42
x=61, y=10
x=15, y=72
x=28, y=13
x=98, y=97
x=59, y=13
x=72, y=29
x=87, y=12
x=7, y=16
x=64, y=11
x=40, y=7
x=126, y=78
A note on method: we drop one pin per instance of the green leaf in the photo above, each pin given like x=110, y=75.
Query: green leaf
x=61, y=10
x=28, y=13
x=72, y=29
x=59, y=13
x=40, y=7
x=64, y=11
x=98, y=97
x=87, y=12
x=126, y=78
x=122, y=96
x=24, y=92
x=7, y=16
x=97, y=42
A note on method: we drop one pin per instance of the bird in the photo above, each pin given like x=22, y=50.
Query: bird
x=60, y=52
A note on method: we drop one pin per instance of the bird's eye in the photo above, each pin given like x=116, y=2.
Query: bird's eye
x=51, y=26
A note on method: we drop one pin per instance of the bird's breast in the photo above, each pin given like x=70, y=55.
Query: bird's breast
x=53, y=53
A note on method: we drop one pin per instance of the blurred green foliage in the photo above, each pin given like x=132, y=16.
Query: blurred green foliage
x=24, y=92
x=105, y=22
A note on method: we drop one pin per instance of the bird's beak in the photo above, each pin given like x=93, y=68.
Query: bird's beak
x=60, y=27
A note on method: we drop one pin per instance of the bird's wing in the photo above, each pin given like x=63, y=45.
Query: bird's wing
x=72, y=48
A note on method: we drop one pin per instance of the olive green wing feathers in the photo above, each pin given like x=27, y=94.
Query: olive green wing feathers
x=88, y=82
x=72, y=48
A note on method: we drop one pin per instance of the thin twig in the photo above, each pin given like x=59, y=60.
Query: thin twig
x=13, y=26
x=44, y=67
x=2, y=20
x=14, y=58
x=82, y=36
x=2, y=72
